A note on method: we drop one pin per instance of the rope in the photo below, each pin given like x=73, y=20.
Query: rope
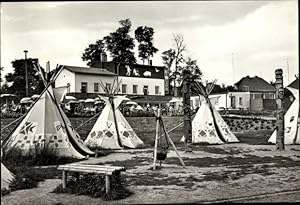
x=87, y=121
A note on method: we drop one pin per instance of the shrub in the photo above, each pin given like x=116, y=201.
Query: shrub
x=94, y=186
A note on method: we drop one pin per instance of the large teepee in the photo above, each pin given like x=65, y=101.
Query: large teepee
x=291, y=118
x=47, y=127
x=6, y=177
x=111, y=130
x=208, y=126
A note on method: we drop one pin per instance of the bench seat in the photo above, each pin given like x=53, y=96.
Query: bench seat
x=106, y=170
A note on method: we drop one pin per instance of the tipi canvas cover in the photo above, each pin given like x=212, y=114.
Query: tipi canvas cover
x=208, y=126
x=104, y=133
x=6, y=177
x=291, y=121
x=46, y=125
x=205, y=125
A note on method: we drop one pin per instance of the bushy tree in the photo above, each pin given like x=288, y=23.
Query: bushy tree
x=17, y=78
x=92, y=53
x=144, y=35
x=120, y=44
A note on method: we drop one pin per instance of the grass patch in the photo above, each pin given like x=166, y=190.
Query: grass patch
x=94, y=186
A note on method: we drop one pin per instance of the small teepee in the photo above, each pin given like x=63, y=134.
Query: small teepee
x=6, y=177
x=208, y=126
x=46, y=126
x=111, y=130
x=291, y=118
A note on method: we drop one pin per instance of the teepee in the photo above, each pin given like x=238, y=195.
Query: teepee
x=291, y=118
x=111, y=130
x=46, y=126
x=6, y=177
x=208, y=126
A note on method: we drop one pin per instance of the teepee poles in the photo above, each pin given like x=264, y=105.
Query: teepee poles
x=159, y=122
x=156, y=139
x=173, y=145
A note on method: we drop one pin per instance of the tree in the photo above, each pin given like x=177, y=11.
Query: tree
x=168, y=57
x=174, y=58
x=144, y=35
x=194, y=70
x=1, y=69
x=92, y=53
x=120, y=44
x=17, y=78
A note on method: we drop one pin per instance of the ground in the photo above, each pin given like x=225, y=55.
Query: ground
x=237, y=172
x=250, y=171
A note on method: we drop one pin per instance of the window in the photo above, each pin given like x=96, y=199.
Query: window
x=145, y=90
x=156, y=90
x=256, y=96
x=269, y=96
x=134, y=89
x=240, y=101
x=96, y=87
x=108, y=86
x=124, y=88
x=84, y=87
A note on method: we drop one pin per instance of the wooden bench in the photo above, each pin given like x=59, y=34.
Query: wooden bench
x=106, y=170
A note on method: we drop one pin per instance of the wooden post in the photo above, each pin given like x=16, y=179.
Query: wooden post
x=64, y=179
x=279, y=114
x=156, y=138
x=107, y=184
x=116, y=121
x=173, y=145
x=186, y=92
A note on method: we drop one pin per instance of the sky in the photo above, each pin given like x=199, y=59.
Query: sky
x=229, y=39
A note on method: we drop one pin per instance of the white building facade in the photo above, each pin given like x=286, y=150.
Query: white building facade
x=84, y=80
x=135, y=80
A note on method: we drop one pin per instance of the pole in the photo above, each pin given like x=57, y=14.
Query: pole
x=279, y=114
x=156, y=138
x=186, y=92
x=173, y=145
x=26, y=72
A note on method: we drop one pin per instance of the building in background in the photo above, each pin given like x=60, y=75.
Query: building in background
x=84, y=82
x=137, y=79
x=262, y=93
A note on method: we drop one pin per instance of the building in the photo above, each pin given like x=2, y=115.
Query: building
x=252, y=94
x=84, y=82
x=262, y=93
x=142, y=82
x=137, y=79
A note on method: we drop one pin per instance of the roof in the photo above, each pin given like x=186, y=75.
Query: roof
x=294, y=84
x=88, y=70
x=255, y=84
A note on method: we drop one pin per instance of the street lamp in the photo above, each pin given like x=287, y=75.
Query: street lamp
x=26, y=72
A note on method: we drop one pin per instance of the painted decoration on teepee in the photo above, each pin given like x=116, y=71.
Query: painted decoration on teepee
x=26, y=135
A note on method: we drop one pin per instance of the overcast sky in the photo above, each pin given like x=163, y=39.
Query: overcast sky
x=229, y=39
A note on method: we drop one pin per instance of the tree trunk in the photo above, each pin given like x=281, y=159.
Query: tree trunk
x=279, y=114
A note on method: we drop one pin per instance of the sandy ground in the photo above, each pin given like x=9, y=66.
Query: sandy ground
x=272, y=173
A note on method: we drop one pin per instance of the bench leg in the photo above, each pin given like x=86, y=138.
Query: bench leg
x=64, y=179
x=107, y=184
